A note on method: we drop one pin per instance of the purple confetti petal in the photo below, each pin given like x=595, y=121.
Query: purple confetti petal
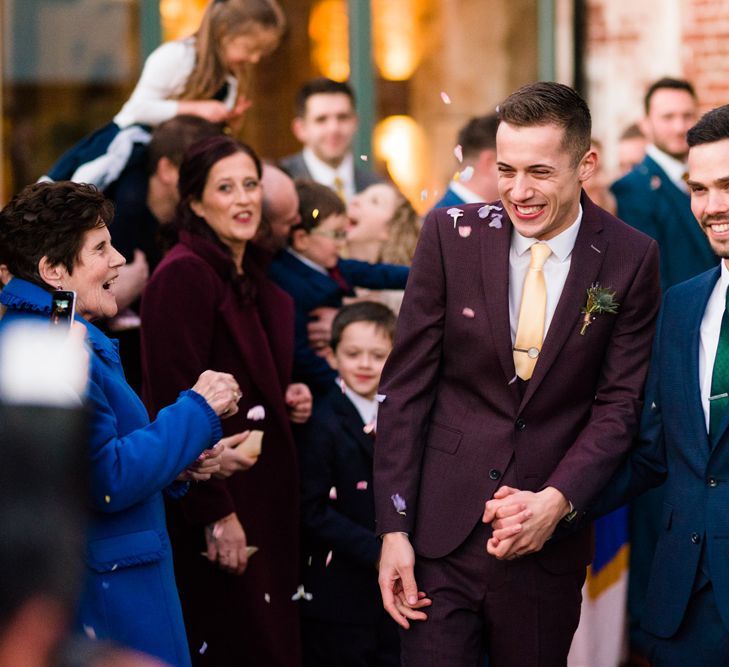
x=203, y=648
x=399, y=502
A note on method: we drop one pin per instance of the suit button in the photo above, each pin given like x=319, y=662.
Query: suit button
x=494, y=474
x=713, y=482
x=695, y=538
x=520, y=424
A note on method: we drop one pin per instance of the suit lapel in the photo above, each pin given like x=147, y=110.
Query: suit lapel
x=495, y=245
x=587, y=257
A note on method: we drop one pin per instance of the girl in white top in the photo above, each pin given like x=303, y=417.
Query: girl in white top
x=203, y=75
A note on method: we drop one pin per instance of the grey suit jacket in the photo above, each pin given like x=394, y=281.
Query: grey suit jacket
x=295, y=167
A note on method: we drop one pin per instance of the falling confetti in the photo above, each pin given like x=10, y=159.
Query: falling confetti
x=364, y=158
x=256, y=413
x=370, y=428
x=458, y=152
x=342, y=385
x=455, y=213
x=309, y=561
x=107, y=499
x=495, y=222
x=486, y=209
x=466, y=174
x=217, y=531
x=328, y=560
x=399, y=502
x=301, y=594
x=333, y=493
x=90, y=632
x=315, y=213
x=513, y=380
x=457, y=176
x=113, y=567
x=444, y=97
x=655, y=182
x=469, y=313
x=203, y=648
x=267, y=598
x=464, y=232
x=380, y=398
x=362, y=486
x=423, y=195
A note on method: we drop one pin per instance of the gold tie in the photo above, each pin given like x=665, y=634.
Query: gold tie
x=339, y=188
x=530, y=330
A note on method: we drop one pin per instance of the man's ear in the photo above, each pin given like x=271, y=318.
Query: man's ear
x=331, y=358
x=587, y=166
x=299, y=240
x=167, y=171
x=52, y=274
x=298, y=127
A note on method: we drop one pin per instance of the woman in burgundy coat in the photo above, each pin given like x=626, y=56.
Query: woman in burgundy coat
x=209, y=304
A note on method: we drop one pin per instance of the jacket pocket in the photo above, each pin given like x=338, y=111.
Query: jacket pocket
x=444, y=438
x=108, y=554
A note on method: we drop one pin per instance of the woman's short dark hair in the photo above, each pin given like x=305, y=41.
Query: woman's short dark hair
x=49, y=220
x=200, y=158
x=364, y=311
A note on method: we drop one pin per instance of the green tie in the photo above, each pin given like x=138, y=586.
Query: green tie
x=719, y=398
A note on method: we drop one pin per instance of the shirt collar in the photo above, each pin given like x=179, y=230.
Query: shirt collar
x=308, y=262
x=468, y=195
x=367, y=408
x=724, y=277
x=561, y=245
x=324, y=173
x=675, y=169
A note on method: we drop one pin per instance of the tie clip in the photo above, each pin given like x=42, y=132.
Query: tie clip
x=718, y=396
x=533, y=353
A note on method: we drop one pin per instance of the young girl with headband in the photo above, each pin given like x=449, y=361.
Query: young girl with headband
x=205, y=75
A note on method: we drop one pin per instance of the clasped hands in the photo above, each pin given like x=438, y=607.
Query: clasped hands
x=522, y=521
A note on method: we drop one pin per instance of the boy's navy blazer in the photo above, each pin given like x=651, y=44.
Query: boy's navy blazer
x=312, y=289
x=334, y=451
x=674, y=446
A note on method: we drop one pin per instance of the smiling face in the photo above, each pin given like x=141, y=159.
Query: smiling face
x=371, y=212
x=327, y=126
x=360, y=356
x=670, y=115
x=95, y=269
x=248, y=46
x=231, y=201
x=539, y=184
x=708, y=183
x=323, y=244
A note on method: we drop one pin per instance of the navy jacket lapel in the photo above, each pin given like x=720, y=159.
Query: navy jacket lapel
x=352, y=422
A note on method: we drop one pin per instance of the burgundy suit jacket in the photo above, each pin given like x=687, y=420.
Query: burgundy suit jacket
x=453, y=426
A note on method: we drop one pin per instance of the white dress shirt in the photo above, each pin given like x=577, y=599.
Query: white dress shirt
x=323, y=173
x=675, y=169
x=305, y=260
x=367, y=408
x=709, y=340
x=555, y=270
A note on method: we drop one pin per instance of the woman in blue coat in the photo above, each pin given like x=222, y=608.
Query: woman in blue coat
x=55, y=236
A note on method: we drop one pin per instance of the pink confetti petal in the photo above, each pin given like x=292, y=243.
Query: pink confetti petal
x=444, y=97
x=369, y=428
x=458, y=152
x=342, y=385
x=464, y=232
x=333, y=493
x=256, y=413
x=469, y=313
x=267, y=598
x=329, y=559
x=362, y=486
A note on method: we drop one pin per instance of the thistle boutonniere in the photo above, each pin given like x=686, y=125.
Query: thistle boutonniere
x=599, y=300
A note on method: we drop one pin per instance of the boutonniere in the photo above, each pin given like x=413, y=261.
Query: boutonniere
x=599, y=300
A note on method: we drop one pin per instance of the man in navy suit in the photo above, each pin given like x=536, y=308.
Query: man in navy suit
x=478, y=177
x=684, y=439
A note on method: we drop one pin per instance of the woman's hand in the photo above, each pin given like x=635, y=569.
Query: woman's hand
x=227, y=544
x=234, y=460
x=221, y=392
x=207, y=464
x=299, y=402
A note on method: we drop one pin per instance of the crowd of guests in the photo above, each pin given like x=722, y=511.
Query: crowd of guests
x=231, y=429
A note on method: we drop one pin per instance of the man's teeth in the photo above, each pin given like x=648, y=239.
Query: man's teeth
x=528, y=210
x=720, y=229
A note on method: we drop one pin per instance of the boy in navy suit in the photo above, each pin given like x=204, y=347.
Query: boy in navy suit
x=343, y=624
x=311, y=271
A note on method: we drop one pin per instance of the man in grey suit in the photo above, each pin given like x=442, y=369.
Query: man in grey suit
x=326, y=122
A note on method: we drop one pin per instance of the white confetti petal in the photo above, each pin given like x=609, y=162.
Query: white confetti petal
x=256, y=413
x=445, y=98
x=203, y=648
x=458, y=152
x=466, y=174
x=464, y=232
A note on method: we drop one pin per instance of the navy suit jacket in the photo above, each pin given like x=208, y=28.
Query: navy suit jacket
x=334, y=451
x=674, y=446
x=295, y=167
x=649, y=201
x=311, y=289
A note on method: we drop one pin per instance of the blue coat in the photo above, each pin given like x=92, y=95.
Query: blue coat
x=649, y=201
x=311, y=289
x=674, y=446
x=129, y=593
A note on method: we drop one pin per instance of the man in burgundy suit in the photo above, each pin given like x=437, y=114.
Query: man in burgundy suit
x=500, y=380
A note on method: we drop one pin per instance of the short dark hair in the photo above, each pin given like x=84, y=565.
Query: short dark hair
x=666, y=82
x=548, y=102
x=633, y=131
x=712, y=126
x=322, y=86
x=174, y=137
x=49, y=220
x=364, y=311
x=194, y=170
x=478, y=134
x=316, y=203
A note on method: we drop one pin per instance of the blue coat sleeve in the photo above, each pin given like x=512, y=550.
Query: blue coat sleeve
x=374, y=276
x=127, y=469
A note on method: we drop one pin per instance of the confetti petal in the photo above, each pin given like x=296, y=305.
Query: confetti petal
x=423, y=195
x=308, y=562
x=513, y=380
x=444, y=97
x=455, y=213
x=114, y=567
x=107, y=499
x=342, y=385
x=364, y=158
x=458, y=152
x=315, y=213
x=464, y=232
x=333, y=493
x=301, y=594
x=256, y=413
x=466, y=174
x=469, y=313
x=495, y=222
x=362, y=486
x=399, y=502
x=486, y=209
x=328, y=560
x=655, y=182
x=369, y=428
x=203, y=648
x=267, y=598
x=90, y=632
x=380, y=398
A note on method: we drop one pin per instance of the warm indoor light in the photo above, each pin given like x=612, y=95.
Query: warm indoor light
x=400, y=142
x=180, y=18
x=397, y=48
x=329, y=34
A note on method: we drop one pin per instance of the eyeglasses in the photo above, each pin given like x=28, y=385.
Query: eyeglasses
x=336, y=234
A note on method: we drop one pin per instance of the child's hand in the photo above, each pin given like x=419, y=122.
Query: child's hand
x=211, y=110
x=242, y=104
x=299, y=402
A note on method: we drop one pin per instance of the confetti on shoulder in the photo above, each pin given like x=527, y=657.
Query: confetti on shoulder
x=444, y=96
x=399, y=503
x=380, y=398
x=465, y=231
x=455, y=213
x=256, y=413
x=486, y=209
